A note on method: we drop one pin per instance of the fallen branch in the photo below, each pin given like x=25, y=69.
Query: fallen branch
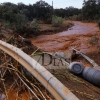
x=27, y=87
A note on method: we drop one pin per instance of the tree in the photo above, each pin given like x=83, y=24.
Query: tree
x=60, y=12
x=90, y=10
x=67, y=12
x=42, y=10
x=11, y=16
x=71, y=11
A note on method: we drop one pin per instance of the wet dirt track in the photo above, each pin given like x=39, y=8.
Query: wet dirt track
x=77, y=36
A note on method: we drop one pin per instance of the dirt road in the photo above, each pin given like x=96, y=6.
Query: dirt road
x=78, y=36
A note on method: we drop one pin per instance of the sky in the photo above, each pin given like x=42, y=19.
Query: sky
x=56, y=3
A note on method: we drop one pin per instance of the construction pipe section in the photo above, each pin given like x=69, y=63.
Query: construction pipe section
x=53, y=85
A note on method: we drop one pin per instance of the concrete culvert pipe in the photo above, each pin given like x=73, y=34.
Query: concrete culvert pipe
x=76, y=67
x=92, y=75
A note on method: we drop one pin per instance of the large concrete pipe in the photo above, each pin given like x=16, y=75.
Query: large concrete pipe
x=76, y=67
x=92, y=75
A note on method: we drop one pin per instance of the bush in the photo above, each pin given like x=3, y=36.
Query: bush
x=76, y=17
x=17, y=23
x=31, y=29
x=57, y=21
x=21, y=20
x=70, y=23
x=6, y=24
x=99, y=24
x=34, y=25
x=94, y=40
x=34, y=28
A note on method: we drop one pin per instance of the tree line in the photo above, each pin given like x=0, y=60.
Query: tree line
x=91, y=10
x=40, y=10
x=16, y=15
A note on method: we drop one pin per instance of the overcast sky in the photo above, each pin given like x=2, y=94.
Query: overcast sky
x=56, y=3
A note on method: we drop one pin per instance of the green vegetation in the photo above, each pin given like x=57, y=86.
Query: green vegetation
x=34, y=25
x=19, y=16
x=57, y=21
x=91, y=10
x=24, y=18
x=30, y=29
x=67, y=12
x=76, y=17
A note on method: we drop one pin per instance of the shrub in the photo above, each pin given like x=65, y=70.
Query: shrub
x=34, y=28
x=34, y=25
x=31, y=29
x=17, y=23
x=56, y=21
x=21, y=20
x=99, y=24
x=94, y=40
x=76, y=17
x=70, y=23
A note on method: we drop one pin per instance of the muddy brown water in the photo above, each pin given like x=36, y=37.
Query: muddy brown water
x=77, y=36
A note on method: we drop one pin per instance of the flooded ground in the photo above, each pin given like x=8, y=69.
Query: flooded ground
x=78, y=37
x=85, y=37
x=15, y=96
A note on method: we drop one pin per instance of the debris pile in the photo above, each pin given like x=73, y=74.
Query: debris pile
x=15, y=81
